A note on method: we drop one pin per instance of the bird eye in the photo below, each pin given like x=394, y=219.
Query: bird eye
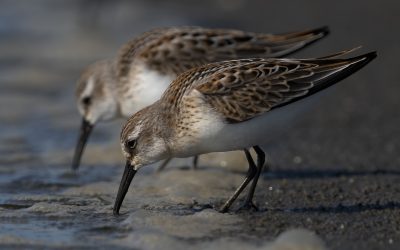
x=131, y=144
x=86, y=101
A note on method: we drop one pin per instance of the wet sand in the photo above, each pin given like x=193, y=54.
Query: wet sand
x=335, y=172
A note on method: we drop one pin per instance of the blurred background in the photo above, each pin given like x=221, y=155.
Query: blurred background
x=353, y=132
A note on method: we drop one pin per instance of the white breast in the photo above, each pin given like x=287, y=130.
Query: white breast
x=145, y=87
x=218, y=136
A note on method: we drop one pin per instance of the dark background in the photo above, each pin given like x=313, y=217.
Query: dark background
x=352, y=133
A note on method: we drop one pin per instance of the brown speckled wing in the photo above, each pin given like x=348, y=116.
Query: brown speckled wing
x=130, y=50
x=243, y=89
x=175, y=50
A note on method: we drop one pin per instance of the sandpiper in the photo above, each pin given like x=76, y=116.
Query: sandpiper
x=225, y=106
x=146, y=65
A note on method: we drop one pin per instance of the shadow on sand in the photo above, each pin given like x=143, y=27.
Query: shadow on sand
x=320, y=174
x=356, y=208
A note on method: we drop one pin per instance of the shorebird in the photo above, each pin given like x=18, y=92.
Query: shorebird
x=225, y=106
x=146, y=65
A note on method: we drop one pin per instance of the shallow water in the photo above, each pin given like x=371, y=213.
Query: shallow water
x=335, y=173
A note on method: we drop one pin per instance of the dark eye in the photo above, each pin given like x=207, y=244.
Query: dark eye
x=131, y=144
x=86, y=100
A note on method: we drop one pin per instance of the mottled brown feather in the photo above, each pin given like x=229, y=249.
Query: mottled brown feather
x=239, y=90
x=175, y=50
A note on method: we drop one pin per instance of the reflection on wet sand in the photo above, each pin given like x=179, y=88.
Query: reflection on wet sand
x=42, y=204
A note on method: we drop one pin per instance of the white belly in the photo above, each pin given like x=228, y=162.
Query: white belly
x=257, y=131
x=146, y=87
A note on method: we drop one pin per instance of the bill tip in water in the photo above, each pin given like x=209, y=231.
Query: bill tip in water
x=85, y=130
x=126, y=180
x=115, y=212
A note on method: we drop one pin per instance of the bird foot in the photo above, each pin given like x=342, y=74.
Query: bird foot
x=249, y=206
x=224, y=209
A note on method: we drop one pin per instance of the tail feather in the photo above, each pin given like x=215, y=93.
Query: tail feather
x=261, y=45
x=341, y=53
x=330, y=71
x=288, y=43
x=323, y=31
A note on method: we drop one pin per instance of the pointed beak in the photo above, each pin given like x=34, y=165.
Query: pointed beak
x=86, y=128
x=126, y=180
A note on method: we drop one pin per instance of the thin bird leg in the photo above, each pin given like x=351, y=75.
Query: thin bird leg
x=163, y=165
x=248, y=204
x=195, y=161
x=250, y=174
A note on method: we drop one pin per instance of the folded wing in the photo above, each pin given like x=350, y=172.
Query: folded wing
x=175, y=50
x=243, y=89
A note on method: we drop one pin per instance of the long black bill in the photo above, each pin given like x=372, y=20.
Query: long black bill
x=126, y=180
x=86, y=128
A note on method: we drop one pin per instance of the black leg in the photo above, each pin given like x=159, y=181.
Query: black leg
x=248, y=204
x=250, y=175
x=163, y=165
x=195, y=161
